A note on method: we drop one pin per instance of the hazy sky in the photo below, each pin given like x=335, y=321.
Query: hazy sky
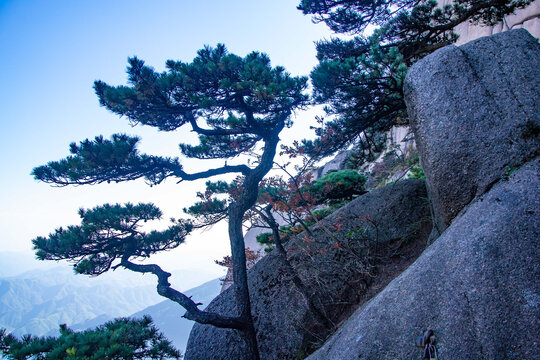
x=52, y=51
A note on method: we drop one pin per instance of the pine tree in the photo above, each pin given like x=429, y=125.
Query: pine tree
x=123, y=338
x=361, y=79
x=235, y=105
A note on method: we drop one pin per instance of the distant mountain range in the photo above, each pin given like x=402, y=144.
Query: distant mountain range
x=167, y=315
x=37, y=301
x=15, y=263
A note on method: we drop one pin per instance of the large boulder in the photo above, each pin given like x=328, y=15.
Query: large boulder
x=476, y=287
x=337, y=264
x=475, y=114
x=474, y=110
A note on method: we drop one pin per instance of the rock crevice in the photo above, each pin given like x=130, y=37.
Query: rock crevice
x=329, y=262
x=473, y=286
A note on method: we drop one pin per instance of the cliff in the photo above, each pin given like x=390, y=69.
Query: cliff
x=474, y=113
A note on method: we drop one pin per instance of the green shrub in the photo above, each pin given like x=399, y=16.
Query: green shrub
x=417, y=172
x=266, y=240
x=338, y=185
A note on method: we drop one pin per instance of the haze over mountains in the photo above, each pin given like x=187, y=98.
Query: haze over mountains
x=35, y=297
x=167, y=315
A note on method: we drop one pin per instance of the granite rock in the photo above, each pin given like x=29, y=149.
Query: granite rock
x=475, y=113
x=383, y=219
x=476, y=287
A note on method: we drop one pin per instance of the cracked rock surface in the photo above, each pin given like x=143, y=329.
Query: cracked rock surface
x=476, y=287
x=475, y=111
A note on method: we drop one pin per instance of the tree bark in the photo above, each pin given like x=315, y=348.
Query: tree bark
x=237, y=210
x=193, y=313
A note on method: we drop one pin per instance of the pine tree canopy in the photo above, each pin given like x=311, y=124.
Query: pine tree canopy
x=230, y=101
x=210, y=209
x=104, y=160
x=236, y=105
x=108, y=233
x=123, y=338
x=338, y=185
x=360, y=79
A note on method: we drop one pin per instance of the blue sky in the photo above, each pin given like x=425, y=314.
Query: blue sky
x=52, y=51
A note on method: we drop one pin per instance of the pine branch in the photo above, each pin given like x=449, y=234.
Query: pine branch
x=227, y=169
x=116, y=160
x=193, y=312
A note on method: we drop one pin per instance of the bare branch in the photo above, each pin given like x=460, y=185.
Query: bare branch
x=227, y=169
x=193, y=313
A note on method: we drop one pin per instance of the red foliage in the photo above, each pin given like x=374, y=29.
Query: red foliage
x=338, y=226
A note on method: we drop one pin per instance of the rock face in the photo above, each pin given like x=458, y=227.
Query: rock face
x=476, y=287
x=527, y=18
x=337, y=163
x=394, y=162
x=475, y=113
x=331, y=264
x=474, y=110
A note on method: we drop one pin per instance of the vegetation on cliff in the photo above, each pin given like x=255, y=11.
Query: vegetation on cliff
x=236, y=105
x=239, y=106
x=360, y=79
